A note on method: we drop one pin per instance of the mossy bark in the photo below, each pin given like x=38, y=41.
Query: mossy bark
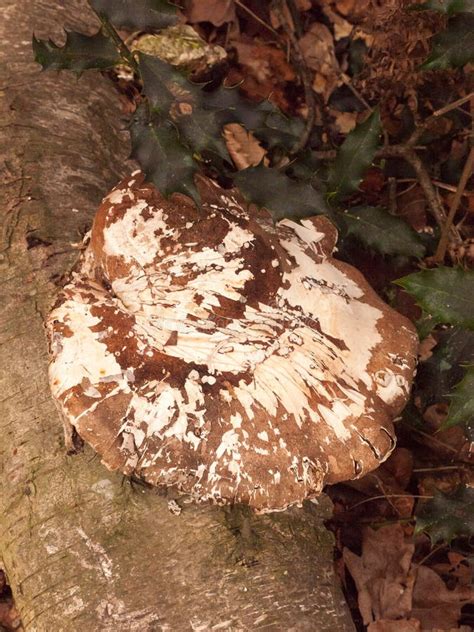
x=83, y=548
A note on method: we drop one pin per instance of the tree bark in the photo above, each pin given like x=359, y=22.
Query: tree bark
x=83, y=548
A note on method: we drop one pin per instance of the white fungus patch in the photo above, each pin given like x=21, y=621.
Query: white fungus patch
x=235, y=373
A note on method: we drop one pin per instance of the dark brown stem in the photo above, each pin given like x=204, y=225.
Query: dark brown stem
x=123, y=49
x=444, y=239
x=408, y=153
x=312, y=99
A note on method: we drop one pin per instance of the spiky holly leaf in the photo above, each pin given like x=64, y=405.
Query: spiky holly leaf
x=201, y=131
x=450, y=7
x=447, y=294
x=279, y=130
x=447, y=516
x=461, y=408
x=165, y=86
x=279, y=194
x=233, y=108
x=354, y=157
x=263, y=119
x=79, y=53
x=137, y=14
x=165, y=161
x=438, y=374
x=376, y=228
x=453, y=47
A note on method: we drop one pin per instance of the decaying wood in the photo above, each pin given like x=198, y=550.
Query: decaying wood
x=83, y=549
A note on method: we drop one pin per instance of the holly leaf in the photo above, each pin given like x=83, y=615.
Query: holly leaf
x=166, y=162
x=201, y=131
x=79, y=53
x=282, y=196
x=279, y=130
x=163, y=84
x=461, y=409
x=438, y=374
x=449, y=7
x=447, y=294
x=137, y=14
x=447, y=516
x=354, y=157
x=377, y=229
x=233, y=108
x=453, y=47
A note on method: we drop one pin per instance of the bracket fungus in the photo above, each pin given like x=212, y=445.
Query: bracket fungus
x=214, y=351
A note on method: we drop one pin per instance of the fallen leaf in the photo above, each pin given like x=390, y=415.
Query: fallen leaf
x=458, y=567
x=344, y=121
x=317, y=48
x=352, y=8
x=243, y=147
x=411, y=205
x=217, y=12
x=265, y=62
x=399, y=625
x=303, y=5
x=383, y=574
x=265, y=72
x=434, y=604
x=400, y=465
x=425, y=350
x=342, y=28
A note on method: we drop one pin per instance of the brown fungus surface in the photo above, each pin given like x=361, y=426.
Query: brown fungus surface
x=211, y=350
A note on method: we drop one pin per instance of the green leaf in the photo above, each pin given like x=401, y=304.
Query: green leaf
x=79, y=53
x=447, y=294
x=438, y=374
x=449, y=7
x=137, y=14
x=233, y=108
x=202, y=131
x=461, y=409
x=165, y=161
x=377, y=229
x=163, y=84
x=279, y=194
x=453, y=47
x=447, y=516
x=354, y=157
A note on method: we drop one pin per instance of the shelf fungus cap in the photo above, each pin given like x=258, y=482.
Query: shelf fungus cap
x=235, y=359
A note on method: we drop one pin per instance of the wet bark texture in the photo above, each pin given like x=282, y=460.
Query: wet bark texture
x=84, y=549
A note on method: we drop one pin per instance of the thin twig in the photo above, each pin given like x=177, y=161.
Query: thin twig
x=408, y=153
x=442, y=468
x=256, y=18
x=453, y=105
x=385, y=497
x=119, y=43
x=346, y=80
x=305, y=74
x=435, y=550
x=444, y=239
x=392, y=195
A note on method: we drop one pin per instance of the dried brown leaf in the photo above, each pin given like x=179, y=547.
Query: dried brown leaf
x=317, y=48
x=390, y=625
x=344, y=121
x=383, y=574
x=434, y=604
x=244, y=149
x=425, y=350
x=217, y=12
x=400, y=466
